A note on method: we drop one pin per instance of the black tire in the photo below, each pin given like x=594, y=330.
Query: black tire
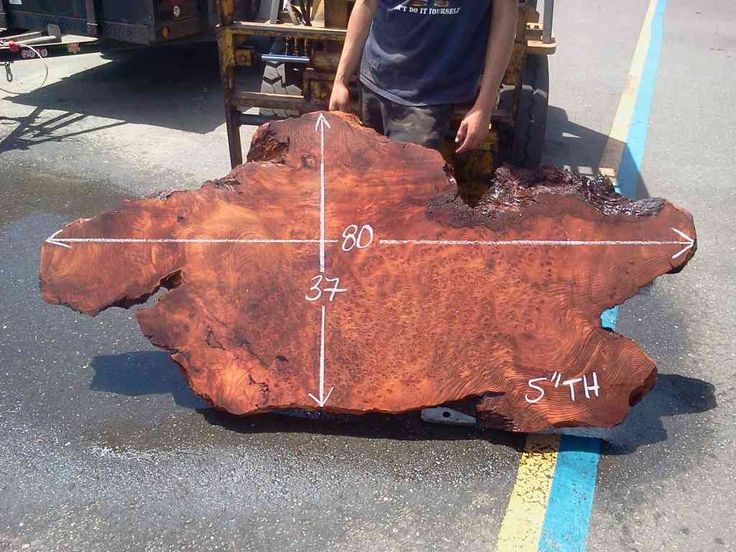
x=531, y=113
x=280, y=78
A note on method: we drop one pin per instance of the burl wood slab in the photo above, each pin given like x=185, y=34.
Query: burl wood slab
x=437, y=301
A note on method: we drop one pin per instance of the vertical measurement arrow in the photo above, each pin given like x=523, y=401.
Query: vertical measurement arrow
x=322, y=397
x=320, y=126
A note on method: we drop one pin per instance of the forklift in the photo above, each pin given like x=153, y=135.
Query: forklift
x=305, y=41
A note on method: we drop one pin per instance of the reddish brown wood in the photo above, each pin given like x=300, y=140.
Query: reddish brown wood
x=419, y=325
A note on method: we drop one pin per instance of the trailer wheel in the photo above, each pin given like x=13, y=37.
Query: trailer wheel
x=280, y=78
x=531, y=113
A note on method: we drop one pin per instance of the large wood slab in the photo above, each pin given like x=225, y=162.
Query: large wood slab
x=512, y=322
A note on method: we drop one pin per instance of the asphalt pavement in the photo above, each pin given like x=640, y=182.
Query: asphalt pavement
x=103, y=446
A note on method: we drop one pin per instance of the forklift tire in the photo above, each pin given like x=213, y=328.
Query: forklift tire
x=280, y=78
x=531, y=113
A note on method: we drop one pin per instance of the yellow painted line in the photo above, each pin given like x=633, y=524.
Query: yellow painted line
x=524, y=519
x=611, y=157
x=522, y=525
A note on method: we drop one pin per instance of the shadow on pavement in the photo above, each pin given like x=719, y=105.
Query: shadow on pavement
x=403, y=427
x=674, y=395
x=572, y=145
x=143, y=373
x=581, y=149
x=29, y=131
x=154, y=373
x=175, y=87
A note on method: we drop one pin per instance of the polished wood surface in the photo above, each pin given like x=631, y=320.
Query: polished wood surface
x=421, y=323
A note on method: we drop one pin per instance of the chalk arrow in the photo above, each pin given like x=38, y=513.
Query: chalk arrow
x=685, y=240
x=53, y=241
x=689, y=243
x=319, y=126
x=64, y=242
x=322, y=397
x=321, y=123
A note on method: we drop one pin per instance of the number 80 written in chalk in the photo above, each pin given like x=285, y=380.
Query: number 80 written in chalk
x=356, y=237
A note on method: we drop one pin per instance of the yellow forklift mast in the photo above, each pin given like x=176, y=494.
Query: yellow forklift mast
x=306, y=40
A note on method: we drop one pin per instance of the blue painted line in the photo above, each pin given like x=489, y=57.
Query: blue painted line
x=609, y=317
x=630, y=166
x=567, y=521
x=571, y=496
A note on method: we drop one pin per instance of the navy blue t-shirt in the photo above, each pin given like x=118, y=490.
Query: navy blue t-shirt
x=426, y=52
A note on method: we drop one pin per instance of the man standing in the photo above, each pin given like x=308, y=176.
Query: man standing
x=418, y=58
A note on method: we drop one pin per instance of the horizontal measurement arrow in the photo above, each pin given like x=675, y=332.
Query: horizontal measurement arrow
x=686, y=240
x=64, y=242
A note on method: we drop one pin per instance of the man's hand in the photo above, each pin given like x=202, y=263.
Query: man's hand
x=473, y=129
x=340, y=97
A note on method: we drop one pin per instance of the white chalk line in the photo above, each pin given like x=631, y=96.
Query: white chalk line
x=322, y=398
x=63, y=242
x=687, y=241
x=320, y=125
x=531, y=242
x=189, y=240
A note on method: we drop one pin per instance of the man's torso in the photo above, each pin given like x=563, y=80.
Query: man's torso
x=426, y=52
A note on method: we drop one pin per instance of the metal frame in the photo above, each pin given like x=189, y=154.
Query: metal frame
x=318, y=67
x=549, y=10
x=46, y=44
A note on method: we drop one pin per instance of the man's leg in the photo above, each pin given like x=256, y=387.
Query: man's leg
x=427, y=126
x=372, y=110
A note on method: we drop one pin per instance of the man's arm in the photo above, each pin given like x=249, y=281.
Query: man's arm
x=358, y=27
x=474, y=127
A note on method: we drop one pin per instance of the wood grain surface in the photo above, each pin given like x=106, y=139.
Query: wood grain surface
x=420, y=323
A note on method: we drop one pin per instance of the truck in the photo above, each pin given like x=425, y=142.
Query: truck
x=141, y=22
